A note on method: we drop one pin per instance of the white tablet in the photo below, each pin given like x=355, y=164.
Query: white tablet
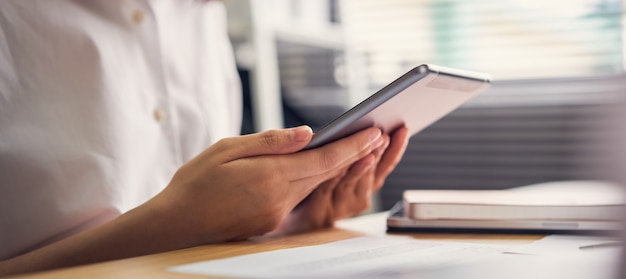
x=416, y=99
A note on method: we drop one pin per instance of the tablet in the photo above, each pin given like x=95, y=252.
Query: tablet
x=398, y=221
x=416, y=99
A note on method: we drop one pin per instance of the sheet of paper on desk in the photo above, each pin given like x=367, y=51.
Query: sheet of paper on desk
x=585, y=246
x=554, y=256
x=373, y=256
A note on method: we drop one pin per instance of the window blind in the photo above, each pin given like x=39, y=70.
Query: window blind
x=511, y=39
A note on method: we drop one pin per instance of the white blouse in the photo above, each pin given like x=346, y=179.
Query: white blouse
x=101, y=101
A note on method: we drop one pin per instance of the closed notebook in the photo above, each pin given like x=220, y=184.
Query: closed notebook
x=573, y=200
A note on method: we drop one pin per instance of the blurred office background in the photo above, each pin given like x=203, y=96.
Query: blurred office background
x=558, y=67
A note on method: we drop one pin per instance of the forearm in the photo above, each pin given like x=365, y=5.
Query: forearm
x=141, y=231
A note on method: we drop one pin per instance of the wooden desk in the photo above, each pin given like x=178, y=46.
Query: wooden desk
x=154, y=266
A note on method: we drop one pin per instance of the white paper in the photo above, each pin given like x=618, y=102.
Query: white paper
x=517, y=266
x=554, y=256
x=572, y=245
x=373, y=256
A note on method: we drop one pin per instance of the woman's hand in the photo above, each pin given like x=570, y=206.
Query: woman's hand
x=246, y=186
x=350, y=192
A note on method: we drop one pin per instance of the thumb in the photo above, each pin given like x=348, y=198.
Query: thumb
x=266, y=143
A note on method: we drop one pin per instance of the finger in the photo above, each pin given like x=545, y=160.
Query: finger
x=348, y=199
x=304, y=187
x=376, y=184
x=360, y=167
x=365, y=188
x=365, y=183
x=323, y=192
x=378, y=152
x=340, y=154
x=392, y=155
x=301, y=189
x=269, y=142
x=355, y=199
x=351, y=180
x=327, y=187
x=348, y=195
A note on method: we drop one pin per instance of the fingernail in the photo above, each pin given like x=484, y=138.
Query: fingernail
x=374, y=135
x=386, y=143
x=380, y=149
x=301, y=133
x=378, y=142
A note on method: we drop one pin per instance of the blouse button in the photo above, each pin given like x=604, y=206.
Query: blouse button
x=159, y=115
x=138, y=16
